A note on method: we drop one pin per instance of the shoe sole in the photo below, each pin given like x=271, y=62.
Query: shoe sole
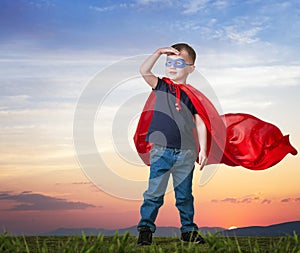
x=144, y=243
x=199, y=242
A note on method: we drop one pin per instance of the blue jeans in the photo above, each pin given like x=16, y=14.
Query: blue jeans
x=180, y=163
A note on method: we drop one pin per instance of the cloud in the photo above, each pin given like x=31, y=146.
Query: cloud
x=230, y=200
x=230, y=33
x=240, y=36
x=123, y=6
x=266, y=201
x=286, y=200
x=80, y=183
x=187, y=26
x=193, y=6
x=76, y=183
x=231, y=80
x=146, y=2
x=242, y=200
x=253, y=199
x=290, y=200
x=245, y=30
x=241, y=31
x=221, y=22
x=42, y=3
x=109, y=8
x=38, y=202
x=14, y=102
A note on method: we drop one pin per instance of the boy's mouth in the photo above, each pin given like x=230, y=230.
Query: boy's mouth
x=172, y=72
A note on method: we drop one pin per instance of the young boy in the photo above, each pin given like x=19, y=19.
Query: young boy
x=171, y=132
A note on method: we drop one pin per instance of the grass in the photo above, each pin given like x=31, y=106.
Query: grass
x=127, y=243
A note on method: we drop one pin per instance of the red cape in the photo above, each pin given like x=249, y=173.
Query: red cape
x=233, y=139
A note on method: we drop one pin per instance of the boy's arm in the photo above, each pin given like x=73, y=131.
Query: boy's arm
x=202, y=136
x=148, y=64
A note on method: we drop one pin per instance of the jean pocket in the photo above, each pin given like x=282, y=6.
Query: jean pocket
x=155, y=153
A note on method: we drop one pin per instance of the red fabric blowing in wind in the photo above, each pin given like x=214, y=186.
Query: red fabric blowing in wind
x=234, y=139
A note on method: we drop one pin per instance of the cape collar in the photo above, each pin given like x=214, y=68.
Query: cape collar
x=169, y=81
x=176, y=88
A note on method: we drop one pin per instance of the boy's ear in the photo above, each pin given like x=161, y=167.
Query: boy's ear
x=192, y=68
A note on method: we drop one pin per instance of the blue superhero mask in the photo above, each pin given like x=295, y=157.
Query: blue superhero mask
x=177, y=63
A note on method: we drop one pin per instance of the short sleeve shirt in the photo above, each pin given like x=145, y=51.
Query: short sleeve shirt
x=169, y=127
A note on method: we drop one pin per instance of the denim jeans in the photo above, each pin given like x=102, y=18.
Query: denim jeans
x=180, y=163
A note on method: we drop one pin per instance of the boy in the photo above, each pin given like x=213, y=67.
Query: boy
x=171, y=132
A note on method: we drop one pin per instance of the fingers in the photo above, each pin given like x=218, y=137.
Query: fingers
x=202, y=162
x=201, y=167
x=174, y=51
x=169, y=51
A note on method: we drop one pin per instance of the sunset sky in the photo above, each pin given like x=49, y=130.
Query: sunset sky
x=67, y=64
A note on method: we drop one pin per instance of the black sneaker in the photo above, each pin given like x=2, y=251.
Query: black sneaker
x=192, y=236
x=145, y=236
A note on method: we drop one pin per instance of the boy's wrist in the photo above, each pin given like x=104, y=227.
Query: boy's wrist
x=203, y=150
x=158, y=52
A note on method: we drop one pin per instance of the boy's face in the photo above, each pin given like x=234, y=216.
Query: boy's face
x=179, y=74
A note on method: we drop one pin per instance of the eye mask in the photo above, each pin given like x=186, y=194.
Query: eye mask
x=177, y=63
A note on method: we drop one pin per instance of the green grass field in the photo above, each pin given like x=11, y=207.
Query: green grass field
x=127, y=243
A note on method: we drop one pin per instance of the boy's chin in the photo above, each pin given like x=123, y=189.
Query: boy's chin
x=172, y=77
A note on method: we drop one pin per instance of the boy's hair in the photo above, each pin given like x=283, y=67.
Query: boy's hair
x=183, y=46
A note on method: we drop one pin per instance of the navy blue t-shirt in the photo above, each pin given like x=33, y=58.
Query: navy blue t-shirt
x=169, y=127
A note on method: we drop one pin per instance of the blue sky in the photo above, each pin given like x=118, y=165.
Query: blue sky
x=50, y=49
x=237, y=42
x=137, y=25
